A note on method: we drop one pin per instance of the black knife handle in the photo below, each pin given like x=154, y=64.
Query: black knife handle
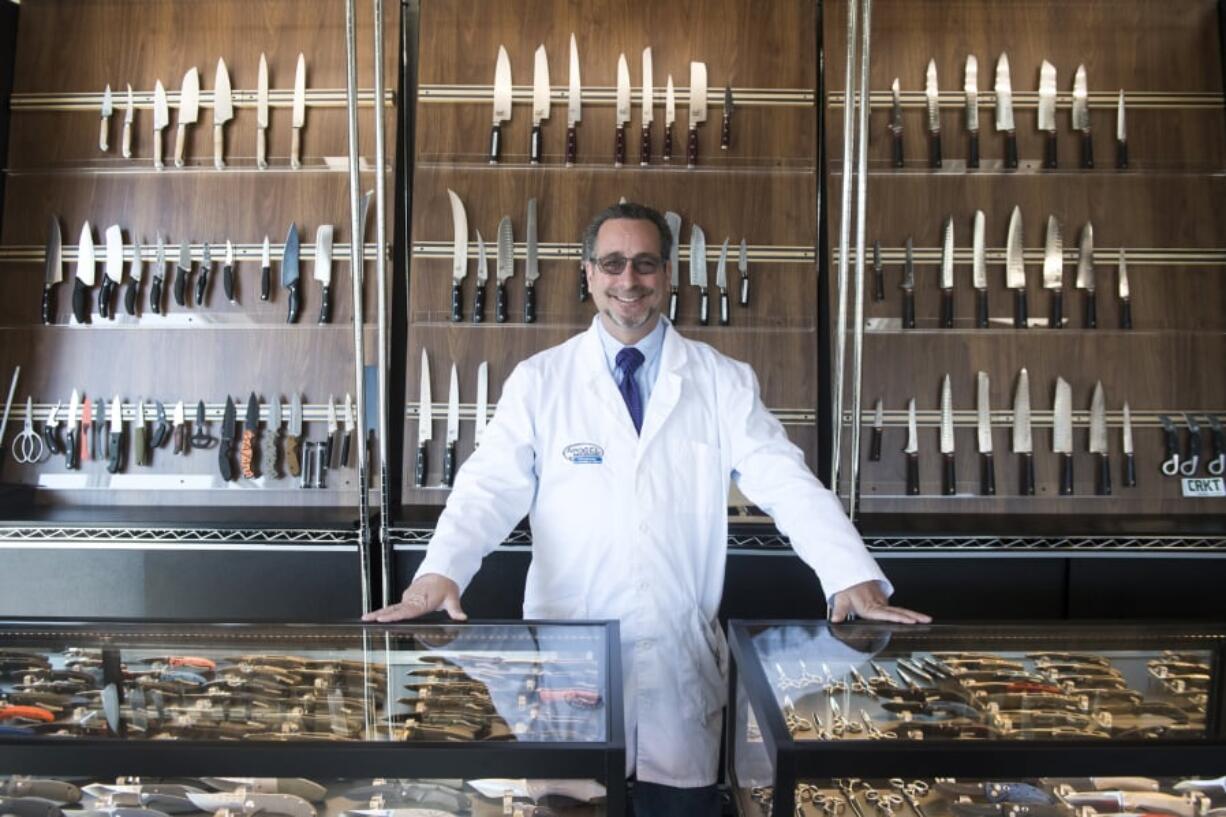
x=495, y=144
x=913, y=486
x=457, y=303
x=744, y=301
x=1130, y=470
x=981, y=309
x=202, y=284
x=583, y=292
x=1219, y=443
x=908, y=309
x=1011, y=150
x=1102, y=486
x=723, y=307
x=1091, y=310
x=72, y=451
x=479, y=304
x=1020, y=319
x=155, y=296
x=449, y=465
x=947, y=309
x=80, y=301
x=619, y=147
x=179, y=286
x=419, y=470
x=104, y=297
x=103, y=439
x=292, y=317
x=1056, y=320
x=115, y=445
x=1126, y=313
x=500, y=303
x=1049, y=152
x=672, y=305
x=265, y=283
x=987, y=475
x=225, y=463
x=1121, y=155
x=934, y=149
x=878, y=283
x=1066, y=475
x=534, y=148
x=227, y=281
x=49, y=304
x=572, y=145
x=668, y=143
x=1027, y=475
x=972, y=149
x=530, y=304
x=704, y=309
x=691, y=148
x=346, y=441
x=949, y=476
x=51, y=440
x=325, y=305
x=645, y=145
x=327, y=450
x=1087, y=150
x=874, y=445
x=896, y=157
x=725, y=132
x=129, y=297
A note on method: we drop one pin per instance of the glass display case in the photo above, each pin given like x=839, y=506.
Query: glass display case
x=519, y=718
x=970, y=721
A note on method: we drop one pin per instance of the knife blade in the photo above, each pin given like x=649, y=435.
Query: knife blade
x=293, y=437
x=453, y=428
x=183, y=270
x=1085, y=274
x=1053, y=272
x=161, y=118
x=622, y=112
x=347, y=436
x=1121, y=135
x=1081, y=117
x=1098, y=440
x=178, y=420
x=323, y=270
x=227, y=272
x=698, y=271
x=912, y=451
x=206, y=271
x=540, y=101
x=299, y=113
x=698, y=108
x=425, y=423
x=265, y=270
x=874, y=448
x=56, y=790
x=1062, y=434
x=1125, y=293
x=53, y=268
x=896, y=124
x=502, y=102
x=113, y=269
x=971, y=88
x=333, y=428
x=223, y=112
x=670, y=116
x=878, y=273
x=983, y=428
x=287, y=804
x=459, y=254
x=1130, y=460
x=269, y=466
x=979, y=270
x=505, y=267
x=1215, y=786
x=298, y=786
x=72, y=448
x=86, y=271
x=159, y=274
x=115, y=445
x=674, y=262
x=483, y=275
x=131, y=294
x=532, y=270
x=189, y=110
x=1047, y=112
x=251, y=431
x=949, y=482
x=1023, y=441
x=1004, y=109
x=574, y=104
x=725, y=134
x=721, y=281
x=290, y=272
x=483, y=390
x=933, y=97
x=648, y=103
x=908, y=286
x=105, y=126
x=947, y=275
x=742, y=263
x=1143, y=802
x=1015, y=269
x=129, y=114
x=261, y=116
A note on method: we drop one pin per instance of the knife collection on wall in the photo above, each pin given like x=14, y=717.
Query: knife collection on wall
x=425, y=422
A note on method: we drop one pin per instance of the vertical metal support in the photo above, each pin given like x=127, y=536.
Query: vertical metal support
x=381, y=285
x=857, y=351
x=356, y=254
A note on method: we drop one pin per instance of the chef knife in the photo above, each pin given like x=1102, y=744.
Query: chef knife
x=323, y=270
x=265, y=270
x=1053, y=272
x=725, y=133
x=333, y=428
x=347, y=436
x=261, y=116
x=574, y=104
x=483, y=390
x=1062, y=434
x=874, y=448
x=113, y=269
x=129, y=114
x=698, y=271
x=908, y=287
x=979, y=271
x=674, y=261
x=425, y=423
x=912, y=451
x=159, y=275
x=189, y=111
x=502, y=102
x=459, y=254
x=290, y=273
x=115, y=444
x=1098, y=440
x=622, y=111
x=532, y=269
x=1081, y=117
x=299, y=113
x=505, y=267
x=878, y=273
x=1121, y=135
x=947, y=275
x=698, y=108
x=53, y=268
x=293, y=437
x=949, y=481
x=1047, y=112
x=1130, y=459
x=983, y=428
x=670, y=116
x=223, y=112
x=742, y=263
x=1015, y=269
x=971, y=87
x=1124, y=292
x=896, y=124
x=183, y=269
x=86, y=271
x=1004, y=109
x=933, y=97
x=206, y=271
x=1085, y=274
x=483, y=275
x=104, y=127
x=131, y=293
x=721, y=281
x=1023, y=442
x=268, y=448
x=648, y=102
x=161, y=118
x=72, y=448
x=453, y=428
x=540, y=102
x=251, y=432
x=227, y=272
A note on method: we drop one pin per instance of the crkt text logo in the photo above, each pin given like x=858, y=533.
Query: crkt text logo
x=584, y=453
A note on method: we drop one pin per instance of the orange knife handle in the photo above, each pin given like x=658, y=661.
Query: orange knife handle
x=246, y=455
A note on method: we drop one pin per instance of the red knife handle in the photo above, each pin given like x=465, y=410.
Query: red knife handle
x=85, y=450
x=672, y=305
x=645, y=145
x=457, y=302
x=129, y=296
x=530, y=304
x=1056, y=319
x=1066, y=475
x=265, y=283
x=1102, y=486
x=1020, y=319
x=495, y=144
x=449, y=465
x=913, y=486
x=723, y=308
x=1011, y=149
x=27, y=713
x=1087, y=150
x=874, y=446
x=745, y=290
x=972, y=149
x=1049, y=152
x=949, y=477
x=725, y=132
x=908, y=309
x=419, y=469
x=1130, y=470
x=947, y=309
x=981, y=309
x=479, y=304
x=704, y=308
x=1091, y=310
x=691, y=149
x=155, y=296
x=325, y=305
x=572, y=145
x=619, y=147
x=49, y=309
x=896, y=147
x=987, y=476
x=583, y=292
x=1126, y=313
x=500, y=303
x=534, y=147
x=1121, y=154
x=246, y=454
x=1027, y=475
x=668, y=143
x=934, y=149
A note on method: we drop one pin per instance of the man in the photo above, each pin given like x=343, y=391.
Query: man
x=620, y=444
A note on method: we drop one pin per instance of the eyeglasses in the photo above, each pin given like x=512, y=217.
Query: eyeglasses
x=615, y=263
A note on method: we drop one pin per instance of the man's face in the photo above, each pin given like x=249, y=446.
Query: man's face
x=630, y=301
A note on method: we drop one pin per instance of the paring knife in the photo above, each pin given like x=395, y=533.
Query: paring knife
x=1081, y=117
x=261, y=117
x=874, y=448
x=223, y=112
x=183, y=270
x=483, y=392
x=131, y=294
x=350, y=421
x=453, y=428
x=540, y=102
x=725, y=133
x=293, y=437
x=299, y=113
x=290, y=273
x=159, y=274
x=1047, y=112
x=332, y=428
x=1015, y=269
x=502, y=102
x=674, y=261
x=908, y=287
x=1023, y=442
x=1004, y=110
x=161, y=118
x=983, y=428
x=574, y=104
x=933, y=97
x=225, y=451
x=227, y=272
x=505, y=269
x=1053, y=272
x=1124, y=292
x=53, y=268
x=483, y=275
x=425, y=423
x=532, y=269
x=912, y=451
x=265, y=270
x=979, y=271
x=1130, y=459
x=115, y=444
x=947, y=275
x=1098, y=440
x=323, y=270
x=648, y=103
x=1085, y=274
x=189, y=111
x=113, y=271
x=721, y=281
x=896, y=124
x=698, y=272
x=622, y=113
x=971, y=88
x=949, y=480
x=1062, y=434
x=742, y=264
x=86, y=270
x=1121, y=135
x=698, y=109
x=459, y=255
x=670, y=116
x=129, y=114
x=104, y=127
x=251, y=432
x=206, y=272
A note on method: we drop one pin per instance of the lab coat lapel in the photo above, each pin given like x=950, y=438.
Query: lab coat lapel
x=667, y=390
x=600, y=385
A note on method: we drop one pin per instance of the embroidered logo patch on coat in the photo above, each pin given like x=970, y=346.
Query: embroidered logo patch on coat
x=584, y=454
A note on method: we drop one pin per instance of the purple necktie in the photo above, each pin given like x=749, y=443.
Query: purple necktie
x=628, y=362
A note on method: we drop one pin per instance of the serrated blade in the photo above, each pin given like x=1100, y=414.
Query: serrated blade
x=502, y=87
x=947, y=255
x=1023, y=442
x=1053, y=256
x=1081, y=101
x=532, y=269
x=1004, y=94
x=623, y=90
x=483, y=268
x=425, y=411
x=932, y=95
x=299, y=115
x=1124, y=291
x=1121, y=129
x=1062, y=418
x=53, y=254
x=721, y=267
x=189, y=97
x=161, y=107
x=670, y=102
x=453, y=407
x=114, y=253
x=261, y=94
x=674, y=253
x=574, y=91
x=223, y=101
x=912, y=446
x=983, y=412
x=947, y=417
x=540, y=86
x=506, y=250
x=698, y=257
x=323, y=254
x=459, y=241
x=908, y=266
x=649, y=97
x=979, y=264
x=698, y=93
x=971, y=87
x=1085, y=258
x=1126, y=444
x=1015, y=266
x=1047, y=97
x=1098, y=420
x=86, y=268
x=483, y=390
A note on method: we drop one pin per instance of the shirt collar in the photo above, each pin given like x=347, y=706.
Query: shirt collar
x=650, y=346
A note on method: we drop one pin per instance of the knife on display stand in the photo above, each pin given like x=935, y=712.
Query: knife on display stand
x=648, y=104
x=290, y=273
x=698, y=109
x=908, y=287
x=1192, y=461
x=1023, y=441
x=158, y=276
x=483, y=276
x=742, y=264
x=949, y=475
x=183, y=270
x=979, y=271
x=206, y=272
x=227, y=273
x=89, y=442
x=115, y=441
x=1081, y=117
x=225, y=451
x=425, y=424
x=983, y=430
x=129, y=114
x=505, y=268
x=721, y=281
x=108, y=105
x=453, y=428
x=502, y=103
x=131, y=294
x=874, y=448
x=1015, y=269
x=1217, y=465
x=1098, y=440
x=574, y=105
x=53, y=269
x=1053, y=272
x=100, y=442
x=1062, y=434
x=72, y=446
x=323, y=269
x=223, y=112
x=189, y=111
x=1047, y=112
x=532, y=268
x=293, y=437
x=1004, y=110
x=178, y=420
x=86, y=272
x=674, y=262
x=113, y=272
x=251, y=442
x=912, y=451
x=459, y=255
x=1130, y=458
x=540, y=103
x=269, y=465
x=1125, y=293
x=947, y=275
x=622, y=111
x=1085, y=275
x=878, y=273
x=896, y=124
x=971, y=88
x=483, y=391
x=725, y=133
x=299, y=113
x=1121, y=135
x=261, y=116
x=932, y=96
x=670, y=117
x=161, y=119
x=265, y=270
x=698, y=272
x=140, y=436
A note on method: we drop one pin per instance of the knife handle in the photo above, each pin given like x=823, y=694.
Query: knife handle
x=1102, y=486
x=180, y=438
x=1020, y=319
x=704, y=309
x=1049, y=152
x=723, y=307
x=972, y=149
x=500, y=303
x=202, y=284
x=572, y=145
x=419, y=469
x=1121, y=154
x=987, y=476
x=158, y=164
x=691, y=149
x=246, y=454
x=261, y=148
x=725, y=132
x=127, y=140
x=896, y=147
x=346, y=441
x=115, y=462
x=326, y=448
x=268, y=454
x=913, y=487
x=534, y=150
x=292, y=463
x=51, y=439
x=89, y=441
x=479, y=304
x=80, y=301
x=155, y=296
x=878, y=283
x=325, y=305
x=934, y=149
x=645, y=145
x=583, y=292
x=949, y=477
x=265, y=283
x=1126, y=313
x=744, y=301
x=219, y=147
x=129, y=297
x=224, y=463
x=227, y=281
x=495, y=143
x=72, y=452
x=103, y=135
x=874, y=445
x=295, y=149
x=292, y=316
x=49, y=309
x=1087, y=150
x=672, y=305
x=530, y=304
x=981, y=309
x=908, y=309
x=668, y=143
x=449, y=465
x=1091, y=310
x=180, y=286
x=1130, y=470
x=457, y=312
x=103, y=439
x=1011, y=150
x=1066, y=475
x=1027, y=476
x=947, y=309
x=140, y=442
x=619, y=147
x=104, y=297
x=180, y=140
x=1056, y=320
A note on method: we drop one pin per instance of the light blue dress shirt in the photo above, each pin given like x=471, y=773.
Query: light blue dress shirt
x=650, y=346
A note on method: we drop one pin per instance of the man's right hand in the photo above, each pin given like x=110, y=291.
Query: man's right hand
x=427, y=593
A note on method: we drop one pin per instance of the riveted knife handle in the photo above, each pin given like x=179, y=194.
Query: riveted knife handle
x=495, y=143
x=261, y=148
x=972, y=149
x=1102, y=486
x=103, y=134
x=723, y=307
x=179, y=287
x=115, y=445
x=104, y=297
x=219, y=148
x=725, y=132
x=80, y=301
x=1056, y=320
x=49, y=309
x=1130, y=470
x=645, y=145
x=1049, y=152
x=572, y=145
x=295, y=149
x=51, y=440
x=155, y=296
x=691, y=148
x=346, y=442
x=704, y=309
x=72, y=451
x=947, y=309
x=158, y=164
x=292, y=463
x=500, y=303
x=619, y=147
x=981, y=309
x=479, y=304
x=1066, y=475
x=292, y=316
x=202, y=284
x=672, y=305
x=913, y=487
x=896, y=148
x=449, y=465
x=129, y=297
x=934, y=149
x=874, y=445
x=1020, y=319
x=127, y=140
x=1011, y=150
x=987, y=476
x=583, y=293
x=878, y=283
x=265, y=283
x=668, y=143
x=457, y=303
x=534, y=151
x=140, y=442
x=908, y=309
x=227, y=281
x=530, y=304
x=1091, y=310
x=1126, y=313
x=419, y=469
x=325, y=305
x=744, y=300
x=949, y=477
x=180, y=140
x=1027, y=475
x=1121, y=155
x=246, y=454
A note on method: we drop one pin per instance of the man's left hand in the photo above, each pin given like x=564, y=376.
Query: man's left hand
x=865, y=600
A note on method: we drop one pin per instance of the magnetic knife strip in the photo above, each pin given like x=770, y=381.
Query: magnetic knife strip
x=1040, y=419
x=1030, y=99
x=468, y=411
x=213, y=412
x=1180, y=256
x=566, y=251
x=318, y=98
x=29, y=253
x=607, y=95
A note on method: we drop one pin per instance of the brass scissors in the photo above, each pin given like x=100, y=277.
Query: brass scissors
x=28, y=447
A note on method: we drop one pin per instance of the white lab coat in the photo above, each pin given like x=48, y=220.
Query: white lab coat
x=634, y=527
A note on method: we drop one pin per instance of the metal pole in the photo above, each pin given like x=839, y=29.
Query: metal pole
x=381, y=284
x=355, y=265
x=857, y=352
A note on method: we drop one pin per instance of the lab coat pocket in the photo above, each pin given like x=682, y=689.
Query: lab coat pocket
x=709, y=655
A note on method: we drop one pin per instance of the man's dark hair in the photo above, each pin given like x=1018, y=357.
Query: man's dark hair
x=635, y=212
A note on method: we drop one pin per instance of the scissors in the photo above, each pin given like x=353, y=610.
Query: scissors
x=1170, y=465
x=28, y=447
x=201, y=438
x=51, y=428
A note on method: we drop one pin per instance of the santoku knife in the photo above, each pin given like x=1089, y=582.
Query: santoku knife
x=159, y=275
x=1047, y=112
x=1130, y=459
x=251, y=431
x=1085, y=274
x=874, y=448
x=505, y=268
x=1004, y=110
x=1015, y=269
x=261, y=116
x=104, y=127
x=725, y=133
x=223, y=112
x=293, y=437
x=129, y=114
x=532, y=269
x=540, y=102
x=459, y=254
x=933, y=97
x=53, y=268
x=183, y=270
x=947, y=275
x=206, y=272
x=483, y=275
x=115, y=443
x=1081, y=117
x=698, y=108
x=1121, y=135
x=1125, y=292
x=265, y=270
x=908, y=287
x=698, y=272
x=574, y=104
x=161, y=118
x=299, y=113
x=453, y=428
x=742, y=264
x=1098, y=440
x=721, y=281
x=878, y=273
x=290, y=273
x=189, y=111
x=425, y=423
x=483, y=391
x=912, y=451
x=896, y=124
x=323, y=270
x=502, y=102
x=983, y=429
x=949, y=476
x=131, y=294
x=670, y=116
x=1053, y=272
x=113, y=269
x=971, y=88
x=1023, y=442
x=622, y=111
x=674, y=262
x=227, y=272
x=1062, y=434
x=979, y=270
x=86, y=271
x=648, y=103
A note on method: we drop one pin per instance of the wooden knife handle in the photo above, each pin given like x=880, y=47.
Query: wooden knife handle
x=219, y=148
x=115, y=451
x=530, y=304
x=1027, y=475
x=874, y=445
x=645, y=145
x=295, y=149
x=292, y=316
x=261, y=148
x=1087, y=150
x=1130, y=470
x=987, y=477
x=246, y=454
x=127, y=140
x=704, y=308
x=103, y=134
x=1020, y=319
x=479, y=304
x=457, y=303
x=1126, y=313
x=1102, y=486
x=449, y=465
x=1049, y=152
x=129, y=297
x=619, y=147
x=896, y=148
x=1091, y=310
x=672, y=305
x=265, y=283
x=583, y=292
x=227, y=281
x=1121, y=154
x=744, y=301
x=293, y=465
x=949, y=477
x=1011, y=150
x=158, y=164
x=908, y=309
x=80, y=301
x=972, y=149
x=180, y=140
x=495, y=144
x=947, y=309
x=934, y=149
x=268, y=455
x=723, y=307
x=668, y=143
x=572, y=145
x=500, y=303
x=981, y=309
x=913, y=486
x=1066, y=475
x=691, y=149
x=419, y=468
x=49, y=304
x=1056, y=320
x=325, y=305
x=155, y=296
x=534, y=148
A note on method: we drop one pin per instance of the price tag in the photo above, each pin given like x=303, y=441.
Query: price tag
x=1204, y=487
